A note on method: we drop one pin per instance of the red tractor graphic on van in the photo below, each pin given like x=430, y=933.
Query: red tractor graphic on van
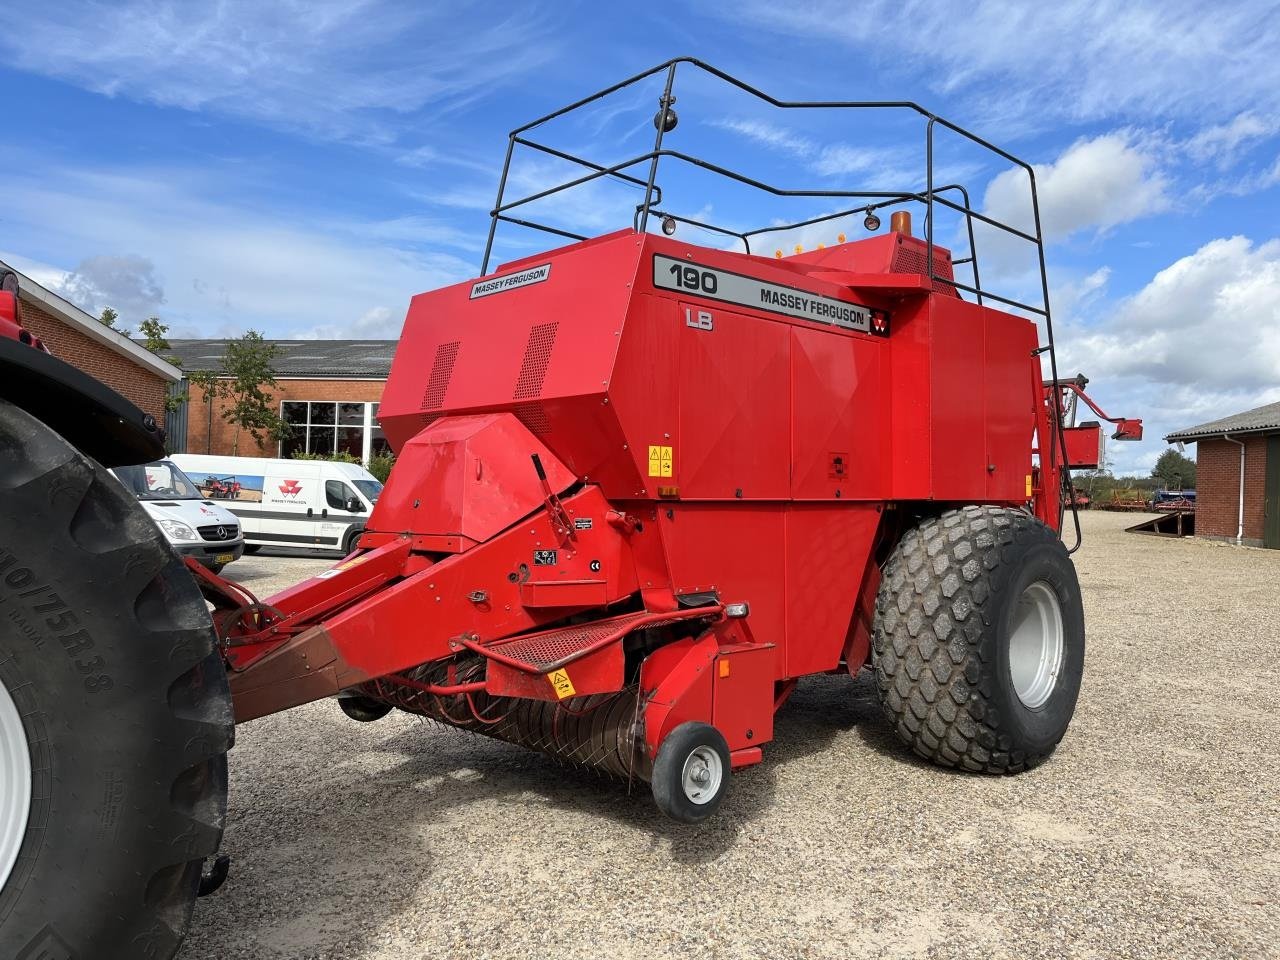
x=222, y=488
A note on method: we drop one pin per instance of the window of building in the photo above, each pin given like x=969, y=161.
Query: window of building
x=329, y=426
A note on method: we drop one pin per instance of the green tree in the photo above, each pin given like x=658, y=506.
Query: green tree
x=1174, y=471
x=245, y=382
x=153, y=339
x=211, y=389
x=108, y=318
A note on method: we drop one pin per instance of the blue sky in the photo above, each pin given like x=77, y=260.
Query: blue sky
x=304, y=168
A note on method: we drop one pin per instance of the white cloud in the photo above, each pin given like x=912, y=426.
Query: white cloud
x=1094, y=185
x=1220, y=144
x=769, y=135
x=1211, y=319
x=333, y=69
x=127, y=283
x=378, y=323
x=1201, y=340
x=1032, y=64
x=221, y=266
x=834, y=159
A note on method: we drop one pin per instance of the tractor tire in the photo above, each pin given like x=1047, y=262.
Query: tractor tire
x=978, y=641
x=113, y=772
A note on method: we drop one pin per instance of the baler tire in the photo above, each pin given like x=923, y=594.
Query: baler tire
x=952, y=596
x=363, y=709
x=676, y=752
x=108, y=651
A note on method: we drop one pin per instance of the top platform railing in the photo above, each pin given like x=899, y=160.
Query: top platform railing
x=642, y=171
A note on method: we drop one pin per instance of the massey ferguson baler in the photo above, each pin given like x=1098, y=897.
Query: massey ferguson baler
x=642, y=488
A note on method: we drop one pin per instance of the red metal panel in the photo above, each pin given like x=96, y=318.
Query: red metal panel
x=675, y=683
x=735, y=549
x=910, y=401
x=543, y=350
x=840, y=430
x=734, y=410
x=1010, y=409
x=827, y=549
x=742, y=692
x=413, y=621
x=564, y=593
x=644, y=395
x=956, y=384
x=599, y=672
x=467, y=476
x=1084, y=445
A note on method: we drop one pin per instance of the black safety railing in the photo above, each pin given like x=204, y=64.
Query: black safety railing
x=642, y=171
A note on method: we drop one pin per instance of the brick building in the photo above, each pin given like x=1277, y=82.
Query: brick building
x=328, y=391
x=1244, y=445
x=84, y=342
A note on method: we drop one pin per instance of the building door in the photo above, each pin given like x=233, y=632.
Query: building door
x=1271, y=495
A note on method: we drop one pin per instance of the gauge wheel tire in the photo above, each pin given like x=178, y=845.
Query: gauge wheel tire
x=361, y=708
x=122, y=713
x=692, y=772
x=978, y=641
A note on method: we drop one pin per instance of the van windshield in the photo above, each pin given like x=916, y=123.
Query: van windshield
x=370, y=488
x=161, y=480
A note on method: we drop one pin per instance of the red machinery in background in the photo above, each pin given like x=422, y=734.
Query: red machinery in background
x=642, y=487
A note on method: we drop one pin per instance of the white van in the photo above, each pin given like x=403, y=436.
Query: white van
x=194, y=525
x=288, y=503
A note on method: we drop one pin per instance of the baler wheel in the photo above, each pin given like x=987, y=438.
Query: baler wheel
x=361, y=708
x=119, y=715
x=978, y=643
x=691, y=774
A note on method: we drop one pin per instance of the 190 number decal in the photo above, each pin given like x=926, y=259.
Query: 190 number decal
x=691, y=278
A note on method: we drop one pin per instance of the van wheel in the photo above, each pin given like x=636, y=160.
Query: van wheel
x=115, y=716
x=349, y=541
x=252, y=548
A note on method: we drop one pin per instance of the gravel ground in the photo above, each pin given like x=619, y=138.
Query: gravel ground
x=1152, y=832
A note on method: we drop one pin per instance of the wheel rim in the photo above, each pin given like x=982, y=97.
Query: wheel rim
x=1036, y=644
x=702, y=775
x=15, y=784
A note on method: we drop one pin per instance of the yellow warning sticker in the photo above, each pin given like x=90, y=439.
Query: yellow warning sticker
x=1028, y=486
x=561, y=683
x=660, y=461
x=345, y=565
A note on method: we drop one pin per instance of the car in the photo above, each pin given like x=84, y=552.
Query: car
x=315, y=504
x=194, y=525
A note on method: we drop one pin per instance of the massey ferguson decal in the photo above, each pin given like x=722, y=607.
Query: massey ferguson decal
x=511, y=281
x=290, y=488
x=699, y=280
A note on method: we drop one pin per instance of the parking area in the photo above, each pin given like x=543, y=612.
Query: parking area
x=1154, y=831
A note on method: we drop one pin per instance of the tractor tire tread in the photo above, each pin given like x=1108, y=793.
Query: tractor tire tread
x=178, y=715
x=931, y=612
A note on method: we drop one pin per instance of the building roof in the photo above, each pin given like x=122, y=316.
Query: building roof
x=90, y=326
x=1257, y=420
x=303, y=359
